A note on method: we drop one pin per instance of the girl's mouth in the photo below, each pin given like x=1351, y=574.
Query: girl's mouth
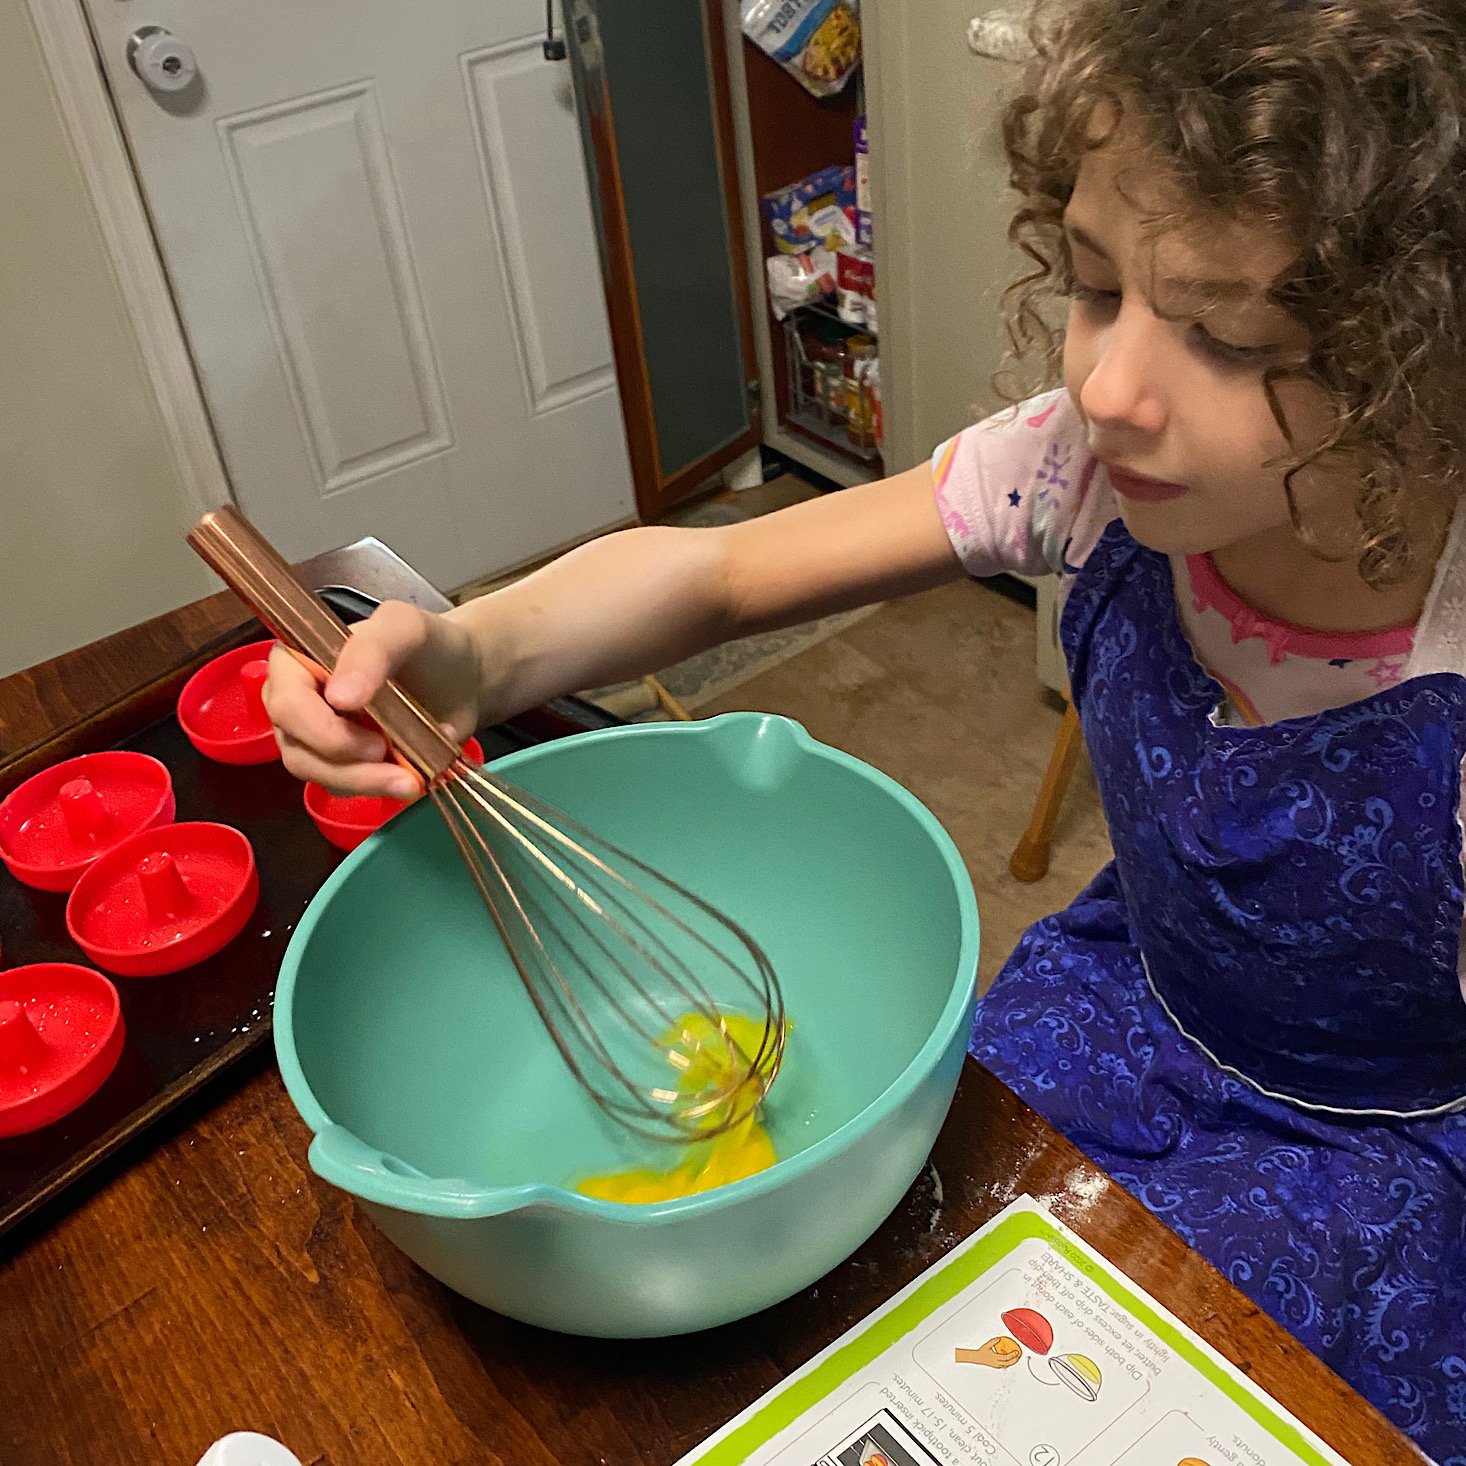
x=1141, y=489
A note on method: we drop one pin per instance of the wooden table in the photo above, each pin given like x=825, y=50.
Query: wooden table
x=215, y=1284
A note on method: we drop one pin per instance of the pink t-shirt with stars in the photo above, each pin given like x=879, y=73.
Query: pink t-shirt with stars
x=1020, y=493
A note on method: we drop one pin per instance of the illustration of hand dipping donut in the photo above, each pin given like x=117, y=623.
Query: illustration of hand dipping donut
x=1028, y=1330
x=999, y=1353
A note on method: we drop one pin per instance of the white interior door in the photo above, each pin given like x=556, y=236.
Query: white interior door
x=376, y=222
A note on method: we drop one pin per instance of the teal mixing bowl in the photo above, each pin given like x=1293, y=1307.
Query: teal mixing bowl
x=435, y=1096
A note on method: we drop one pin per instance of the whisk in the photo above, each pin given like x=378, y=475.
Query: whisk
x=634, y=976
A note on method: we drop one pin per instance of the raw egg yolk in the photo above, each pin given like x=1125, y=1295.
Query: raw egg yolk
x=744, y=1149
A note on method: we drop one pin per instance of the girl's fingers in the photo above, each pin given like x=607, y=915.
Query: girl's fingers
x=319, y=739
x=300, y=715
x=376, y=649
x=376, y=780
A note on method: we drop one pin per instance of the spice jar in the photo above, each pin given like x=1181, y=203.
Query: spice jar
x=824, y=348
x=807, y=363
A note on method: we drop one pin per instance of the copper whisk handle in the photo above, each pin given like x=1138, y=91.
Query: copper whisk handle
x=264, y=580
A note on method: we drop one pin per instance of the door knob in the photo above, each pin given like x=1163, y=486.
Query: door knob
x=162, y=61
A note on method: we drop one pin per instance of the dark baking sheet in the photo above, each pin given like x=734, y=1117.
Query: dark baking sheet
x=184, y=1029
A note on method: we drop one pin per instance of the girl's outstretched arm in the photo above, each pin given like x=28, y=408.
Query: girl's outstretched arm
x=617, y=608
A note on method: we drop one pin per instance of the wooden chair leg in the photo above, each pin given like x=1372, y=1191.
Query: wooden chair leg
x=1030, y=858
x=669, y=704
x=645, y=695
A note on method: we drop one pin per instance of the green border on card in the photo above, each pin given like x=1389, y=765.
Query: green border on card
x=801, y=1396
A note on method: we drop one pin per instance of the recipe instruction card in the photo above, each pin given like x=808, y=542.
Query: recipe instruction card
x=1021, y=1347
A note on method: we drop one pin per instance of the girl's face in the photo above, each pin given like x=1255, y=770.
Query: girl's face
x=1168, y=337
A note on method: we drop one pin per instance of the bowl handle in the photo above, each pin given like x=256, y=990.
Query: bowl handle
x=338, y=1156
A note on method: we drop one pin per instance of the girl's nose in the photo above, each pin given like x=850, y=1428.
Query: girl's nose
x=1122, y=390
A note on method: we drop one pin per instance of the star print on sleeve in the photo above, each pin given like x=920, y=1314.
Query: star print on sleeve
x=1387, y=671
x=1006, y=487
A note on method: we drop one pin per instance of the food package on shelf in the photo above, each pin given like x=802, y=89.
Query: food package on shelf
x=855, y=284
x=796, y=280
x=816, y=41
x=818, y=212
x=820, y=381
x=862, y=391
x=864, y=233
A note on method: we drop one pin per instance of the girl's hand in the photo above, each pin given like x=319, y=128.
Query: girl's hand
x=434, y=658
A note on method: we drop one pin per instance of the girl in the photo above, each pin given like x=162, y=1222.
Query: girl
x=1254, y=1018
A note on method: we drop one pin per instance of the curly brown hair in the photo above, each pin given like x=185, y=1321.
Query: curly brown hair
x=1340, y=123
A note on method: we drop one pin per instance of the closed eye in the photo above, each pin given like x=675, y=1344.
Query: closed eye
x=1229, y=354
x=1214, y=348
x=1089, y=295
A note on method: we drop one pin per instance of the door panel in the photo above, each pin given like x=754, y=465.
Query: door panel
x=549, y=258
x=338, y=285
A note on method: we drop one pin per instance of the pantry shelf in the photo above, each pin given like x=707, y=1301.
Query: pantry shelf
x=816, y=426
x=827, y=402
